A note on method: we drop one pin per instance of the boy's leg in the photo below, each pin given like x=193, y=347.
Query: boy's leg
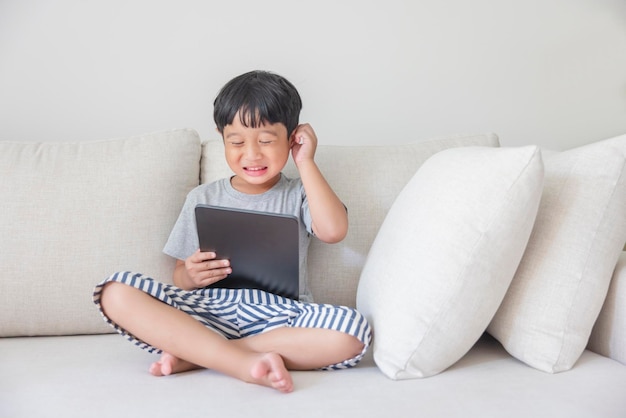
x=305, y=348
x=300, y=349
x=179, y=334
x=307, y=335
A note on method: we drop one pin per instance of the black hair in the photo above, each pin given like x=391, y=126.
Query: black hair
x=259, y=97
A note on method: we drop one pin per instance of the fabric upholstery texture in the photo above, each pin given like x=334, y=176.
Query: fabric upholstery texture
x=550, y=308
x=73, y=213
x=445, y=255
x=105, y=376
x=609, y=332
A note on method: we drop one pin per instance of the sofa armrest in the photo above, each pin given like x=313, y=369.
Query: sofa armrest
x=609, y=333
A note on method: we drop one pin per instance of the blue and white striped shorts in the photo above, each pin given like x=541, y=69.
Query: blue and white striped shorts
x=239, y=313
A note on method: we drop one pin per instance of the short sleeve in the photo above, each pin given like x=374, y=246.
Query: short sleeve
x=183, y=240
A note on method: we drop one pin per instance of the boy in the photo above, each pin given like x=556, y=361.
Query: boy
x=245, y=333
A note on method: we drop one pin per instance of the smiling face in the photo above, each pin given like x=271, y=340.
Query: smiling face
x=256, y=155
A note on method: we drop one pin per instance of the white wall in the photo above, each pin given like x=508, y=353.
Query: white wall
x=551, y=72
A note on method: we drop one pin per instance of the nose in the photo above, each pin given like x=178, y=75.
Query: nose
x=252, y=151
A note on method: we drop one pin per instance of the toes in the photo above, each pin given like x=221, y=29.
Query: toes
x=166, y=368
x=155, y=369
x=270, y=371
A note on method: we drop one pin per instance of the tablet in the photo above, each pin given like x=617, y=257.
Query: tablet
x=263, y=248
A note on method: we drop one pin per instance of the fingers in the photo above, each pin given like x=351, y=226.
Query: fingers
x=204, y=269
x=209, y=277
x=304, y=133
x=199, y=256
x=303, y=143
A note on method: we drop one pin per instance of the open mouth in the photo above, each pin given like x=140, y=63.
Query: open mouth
x=255, y=170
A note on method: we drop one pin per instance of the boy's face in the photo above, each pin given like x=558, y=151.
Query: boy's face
x=256, y=155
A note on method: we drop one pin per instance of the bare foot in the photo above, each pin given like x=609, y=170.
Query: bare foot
x=270, y=371
x=169, y=364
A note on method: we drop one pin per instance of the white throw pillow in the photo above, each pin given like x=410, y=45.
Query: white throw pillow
x=548, y=313
x=609, y=332
x=74, y=213
x=445, y=255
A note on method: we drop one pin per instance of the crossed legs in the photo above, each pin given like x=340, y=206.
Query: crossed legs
x=262, y=359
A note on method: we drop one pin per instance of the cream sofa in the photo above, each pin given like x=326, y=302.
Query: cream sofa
x=474, y=238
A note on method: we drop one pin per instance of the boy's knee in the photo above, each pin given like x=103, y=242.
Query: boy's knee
x=356, y=346
x=114, y=296
x=351, y=345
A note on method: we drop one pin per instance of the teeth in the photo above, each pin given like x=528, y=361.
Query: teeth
x=255, y=168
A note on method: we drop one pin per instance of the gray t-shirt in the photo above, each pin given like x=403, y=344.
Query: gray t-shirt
x=286, y=197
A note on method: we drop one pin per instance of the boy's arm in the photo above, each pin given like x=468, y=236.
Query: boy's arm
x=330, y=219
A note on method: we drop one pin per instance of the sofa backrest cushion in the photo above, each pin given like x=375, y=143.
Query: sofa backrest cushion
x=367, y=179
x=73, y=213
x=609, y=332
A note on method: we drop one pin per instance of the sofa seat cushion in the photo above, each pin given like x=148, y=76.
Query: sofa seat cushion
x=105, y=376
x=73, y=213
